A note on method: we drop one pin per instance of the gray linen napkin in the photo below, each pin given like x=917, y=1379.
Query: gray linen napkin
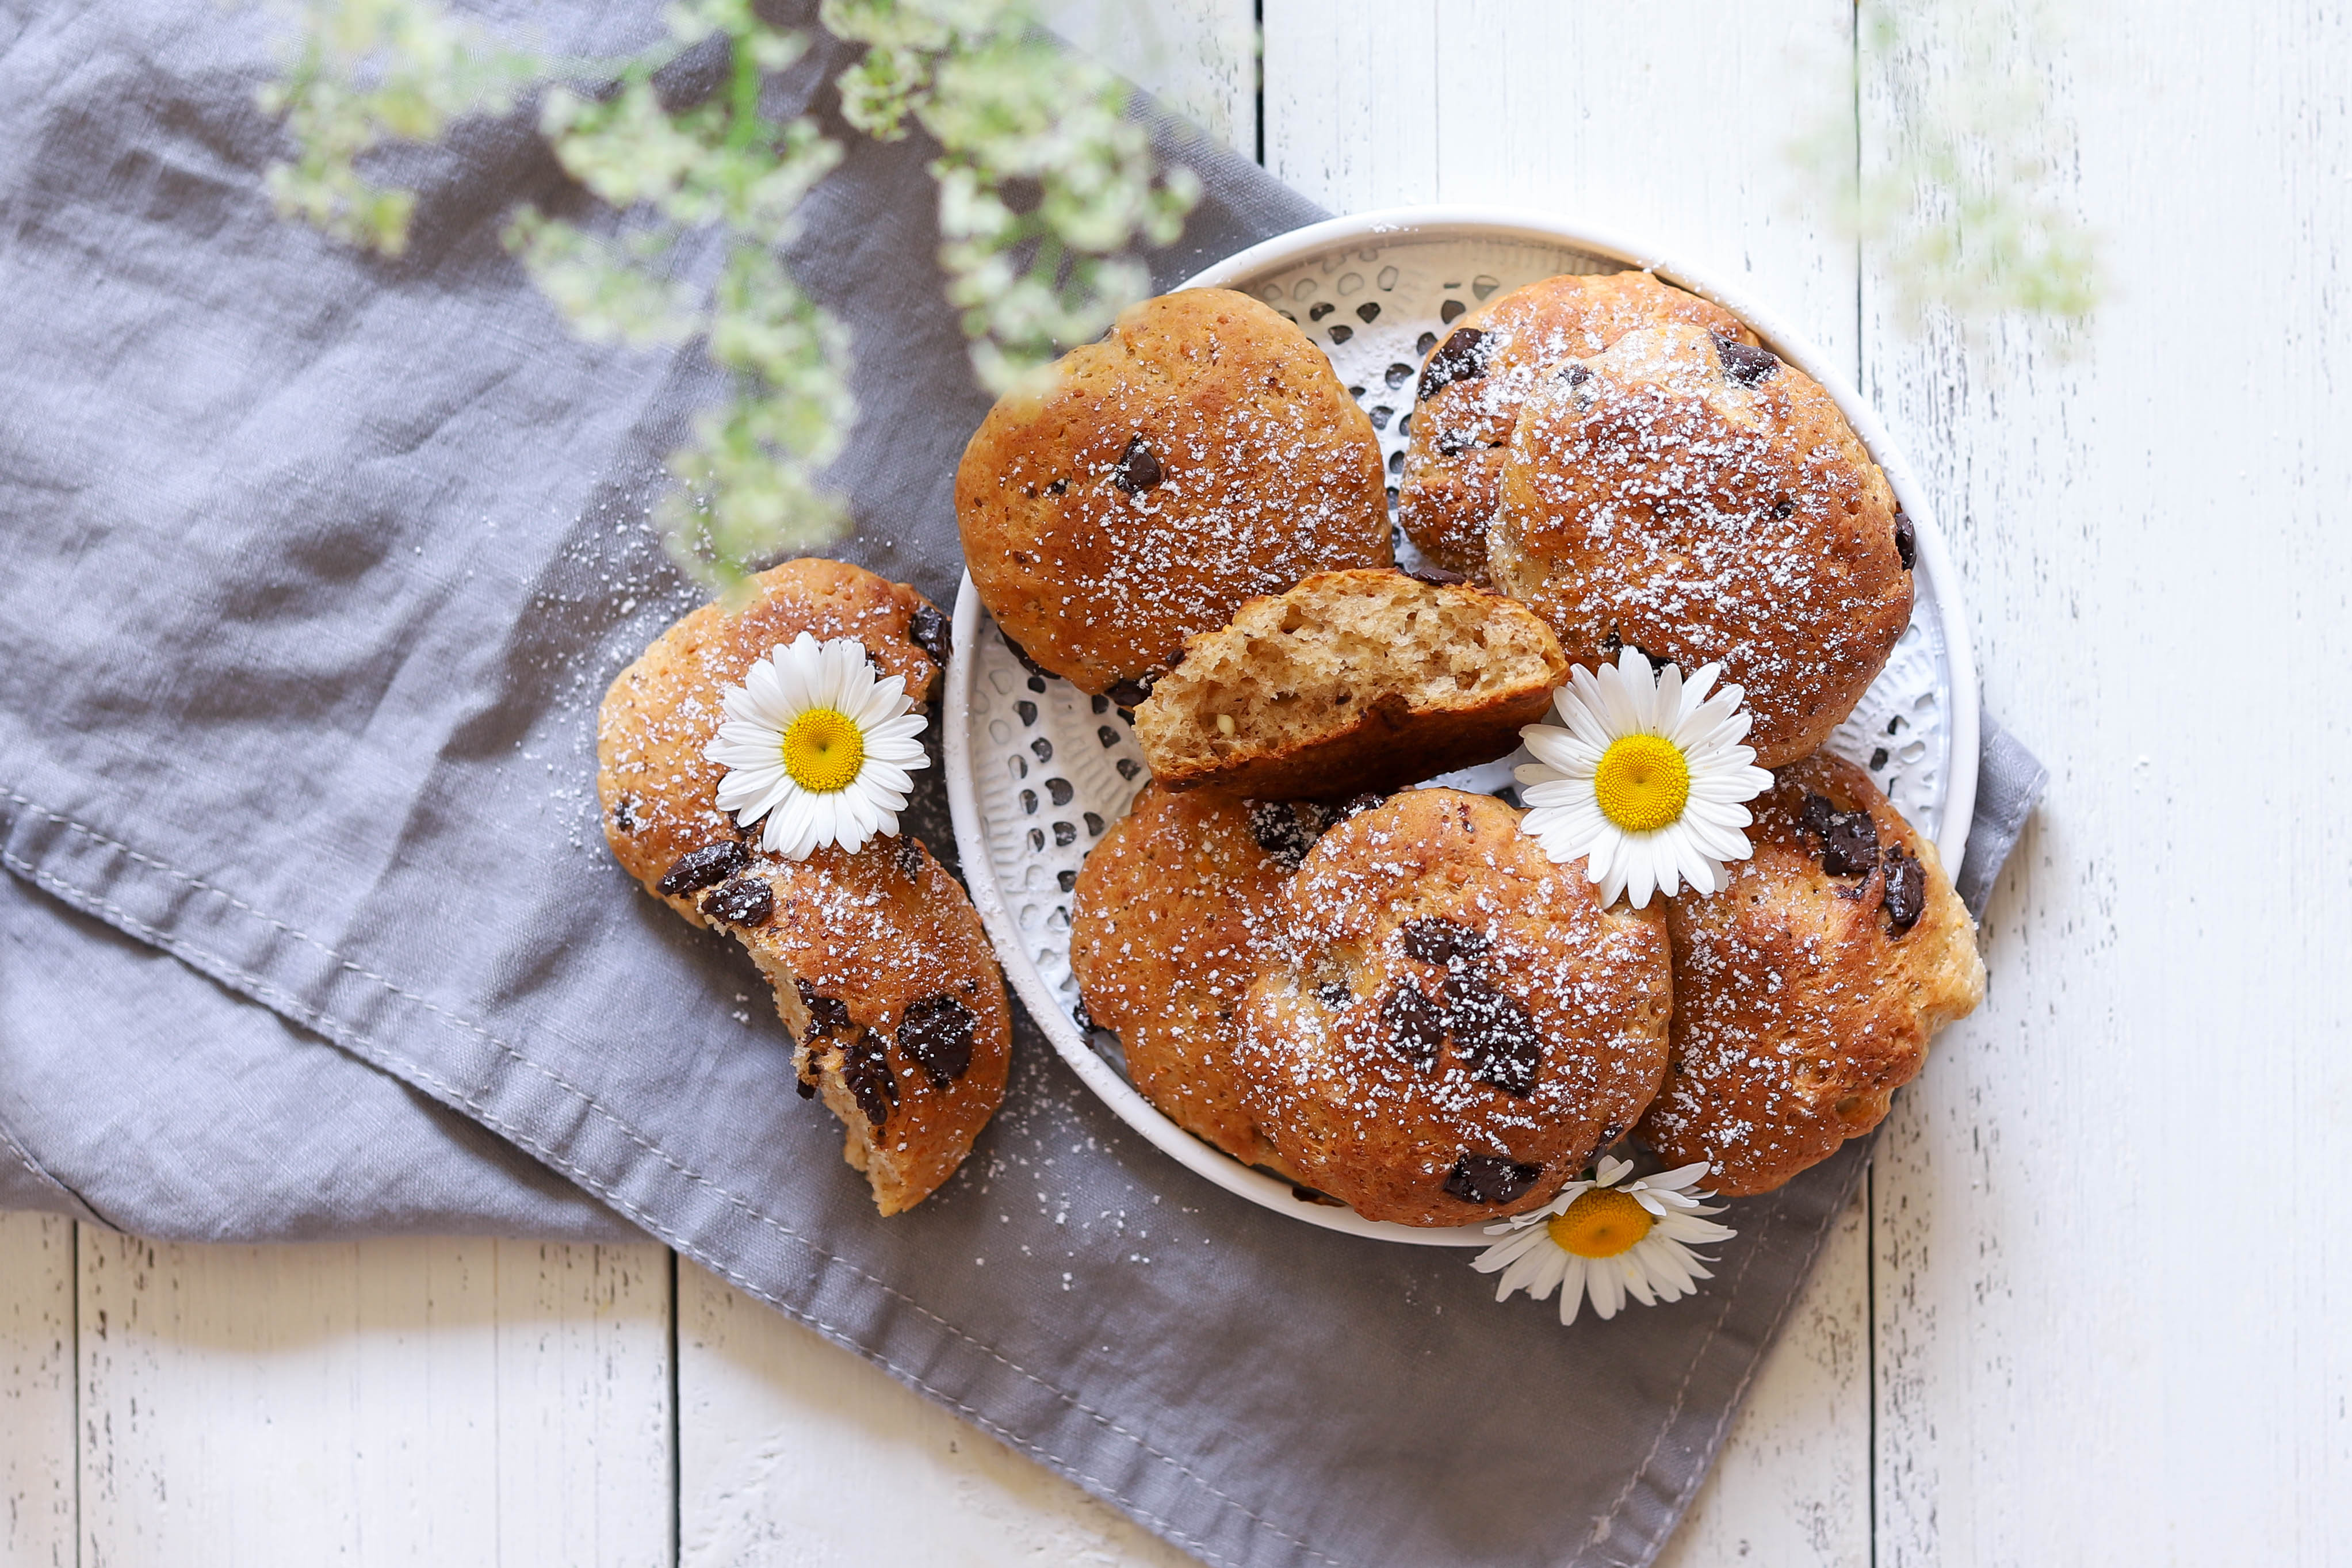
x=317, y=566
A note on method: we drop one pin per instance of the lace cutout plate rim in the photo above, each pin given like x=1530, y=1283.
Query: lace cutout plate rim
x=1037, y=772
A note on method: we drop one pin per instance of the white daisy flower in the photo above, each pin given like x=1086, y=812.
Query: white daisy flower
x=1610, y=1241
x=815, y=744
x=1646, y=781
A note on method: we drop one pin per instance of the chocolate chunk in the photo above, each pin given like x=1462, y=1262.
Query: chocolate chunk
x=740, y=901
x=702, y=867
x=1490, y=1178
x=1743, y=362
x=865, y=1072
x=936, y=1032
x=1462, y=357
x=1031, y=665
x=1496, y=1035
x=1284, y=831
x=1060, y=790
x=827, y=1015
x=1131, y=692
x=1334, y=994
x=1342, y=334
x=930, y=631
x=1849, y=840
x=1907, y=539
x=910, y=860
x=1435, y=576
x=1316, y=313
x=625, y=814
x=1432, y=939
x=1137, y=470
x=1451, y=308
x=1905, y=899
x=1415, y=1025
x=1368, y=312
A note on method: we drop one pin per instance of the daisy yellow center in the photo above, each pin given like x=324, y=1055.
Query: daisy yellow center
x=1642, y=783
x=824, y=749
x=1601, y=1224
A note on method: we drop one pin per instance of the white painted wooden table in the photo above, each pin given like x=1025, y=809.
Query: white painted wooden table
x=2093, y=1308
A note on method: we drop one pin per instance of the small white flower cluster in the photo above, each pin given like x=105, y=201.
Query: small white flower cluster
x=1044, y=183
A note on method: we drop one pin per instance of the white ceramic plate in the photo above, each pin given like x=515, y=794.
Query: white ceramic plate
x=1036, y=771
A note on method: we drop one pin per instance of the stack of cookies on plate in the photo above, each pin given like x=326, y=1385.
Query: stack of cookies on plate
x=1424, y=1002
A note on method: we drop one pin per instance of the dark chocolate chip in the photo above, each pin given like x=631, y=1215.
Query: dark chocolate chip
x=1743, y=362
x=1059, y=789
x=1127, y=768
x=1066, y=881
x=1081, y=1017
x=1905, y=899
x=1462, y=357
x=1574, y=375
x=1309, y=1196
x=1397, y=375
x=1496, y=1035
x=1065, y=833
x=625, y=814
x=1368, y=312
x=1451, y=308
x=1432, y=939
x=910, y=860
x=740, y=901
x=803, y=1088
x=1415, y=1024
x=1421, y=345
x=1027, y=710
x=1316, y=313
x=1435, y=576
x=703, y=868
x=1038, y=682
x=1878, y=759
x=827, y=1015
x=1284, y=831
x=1381, y=415
x=1907, y=539
x=1093, y=825
x=1131, y=692
x=930, y=631
x=1785, y=506
x=865, y=1072
x=1137, y=470
x=1334, y=994
x=1099, y=703
x=1038, y=672
x=1058, y=487
x=1894, y=723
x=1453, y=443
x=1356, y=804
x=1342, y=333
x=1396, y=462
x=1029, y=803
x=1106, y=735
x=1490, y=1178
x=1036, y=839
x=1849, y=840
x=936, y=1032
x=1357, y=393
x=1042, y=749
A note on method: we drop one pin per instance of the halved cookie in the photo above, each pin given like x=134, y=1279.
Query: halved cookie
x=881, y=970
x=1352, y=681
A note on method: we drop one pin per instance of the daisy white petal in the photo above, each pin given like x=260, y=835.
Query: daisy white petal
x=1585, y=1244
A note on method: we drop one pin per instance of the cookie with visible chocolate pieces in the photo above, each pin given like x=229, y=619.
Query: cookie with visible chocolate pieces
x=1453, y=1025
x=1806, y=993
x=1349, y=681
x=1473, y=384
x=880, y=968
x=1702, y=501
x=1202, y=453
x=1176, y=911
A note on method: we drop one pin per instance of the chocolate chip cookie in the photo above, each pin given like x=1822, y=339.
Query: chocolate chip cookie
x=1473, y=382
x=1453, y=1025
x=1696, y=498
x=880, y=967
x=1202, y=453
x=1806, y=993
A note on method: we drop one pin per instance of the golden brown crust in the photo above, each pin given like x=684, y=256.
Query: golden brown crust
x=1455, y=1024
x=1351, y=681
x=1253, y=468
x=1452, y=484
x=1655, y=498
x=1176, y=911
x=880, y=968
x=1797, y=1009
